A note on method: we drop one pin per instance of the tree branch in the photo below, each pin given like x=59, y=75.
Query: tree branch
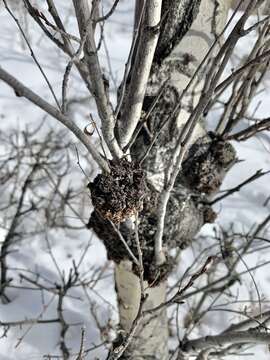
x=245, y=134
x=86, y=23
x=141, y=70
x=235, y=337
x=22, y=90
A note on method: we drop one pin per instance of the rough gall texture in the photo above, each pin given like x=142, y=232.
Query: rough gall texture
x=206, y=163
x=119, y=195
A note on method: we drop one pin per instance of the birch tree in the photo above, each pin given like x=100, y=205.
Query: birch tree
x=160, y=166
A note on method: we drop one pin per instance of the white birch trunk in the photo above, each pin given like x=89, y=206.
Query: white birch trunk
x=152, y=339
x=196, y=43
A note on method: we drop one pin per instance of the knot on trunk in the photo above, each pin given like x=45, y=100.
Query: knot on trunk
x=206, y=164
x=119, y=195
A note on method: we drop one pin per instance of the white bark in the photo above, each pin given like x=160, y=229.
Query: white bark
x=141, y=70
x=153, y=338
x=196, y=44
x=86, y=27
x=150, y=338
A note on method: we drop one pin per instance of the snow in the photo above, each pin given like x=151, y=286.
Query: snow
x=243, y=209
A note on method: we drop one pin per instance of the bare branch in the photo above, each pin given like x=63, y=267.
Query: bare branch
x=66, y=46
x=140, y=255
x=240, y=337
x=32, y=53
x=245, y=134
x=250, y=322
x=133, y=257
x=252, y=178
x=134, y=43
x=22, y=90
x=81, y=352
x=109, y=13
x=141, y=70
x=86, y=24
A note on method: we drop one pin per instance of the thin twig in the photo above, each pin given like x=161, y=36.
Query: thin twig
x=33, y=54
x=237, y=188
x=140, y=255
x=109, y=13
x=133, y=257
x=22, y=90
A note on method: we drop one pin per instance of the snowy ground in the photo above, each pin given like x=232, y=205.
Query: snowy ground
x=243, y=209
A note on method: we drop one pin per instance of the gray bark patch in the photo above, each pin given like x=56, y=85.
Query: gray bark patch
x=179, y=16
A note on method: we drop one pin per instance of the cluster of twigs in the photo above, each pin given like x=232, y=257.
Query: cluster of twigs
x=35, y=166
